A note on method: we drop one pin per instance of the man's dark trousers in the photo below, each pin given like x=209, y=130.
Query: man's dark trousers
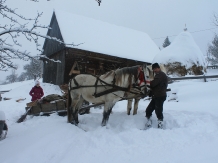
x=157, y=105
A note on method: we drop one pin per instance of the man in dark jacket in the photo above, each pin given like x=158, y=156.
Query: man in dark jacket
x=158, y=93
x=36, y=92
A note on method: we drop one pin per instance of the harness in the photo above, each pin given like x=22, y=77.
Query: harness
x=105, y=84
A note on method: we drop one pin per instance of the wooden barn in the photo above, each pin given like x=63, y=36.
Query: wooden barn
x=100, y=47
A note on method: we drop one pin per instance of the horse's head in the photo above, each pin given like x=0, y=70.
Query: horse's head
x=130, y=78
x=139, y=83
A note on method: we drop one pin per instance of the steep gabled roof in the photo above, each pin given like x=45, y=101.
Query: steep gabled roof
x=102, y=37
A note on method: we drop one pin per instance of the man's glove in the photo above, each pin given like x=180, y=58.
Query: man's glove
x=150, y=94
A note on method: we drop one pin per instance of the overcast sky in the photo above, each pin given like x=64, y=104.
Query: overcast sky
x=157, y=18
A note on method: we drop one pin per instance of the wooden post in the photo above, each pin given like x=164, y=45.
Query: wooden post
x=205, y=79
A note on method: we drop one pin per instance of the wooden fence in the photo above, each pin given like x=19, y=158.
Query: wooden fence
x=193, y=77
x=213, y=67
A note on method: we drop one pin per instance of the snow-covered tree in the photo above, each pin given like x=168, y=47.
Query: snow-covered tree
x=166, y=42
x=17, y=26
x=12, y=77
x=22, y=77
x=33, y=69
x=212, y=53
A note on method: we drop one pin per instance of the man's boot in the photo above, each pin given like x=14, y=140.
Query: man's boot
x=160, y=124
x=148, y=123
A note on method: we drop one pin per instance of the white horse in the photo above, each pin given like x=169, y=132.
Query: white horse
x=150, y=76
x=108, y=89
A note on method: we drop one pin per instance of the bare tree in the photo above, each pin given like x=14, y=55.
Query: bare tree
x=13, y=77
x=99, y=2
x=212, y=53
x=9, y=34
x=33, y=69
x=215, y=19
x=22, y=77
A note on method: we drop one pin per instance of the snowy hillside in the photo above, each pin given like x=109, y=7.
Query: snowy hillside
x=190, y=134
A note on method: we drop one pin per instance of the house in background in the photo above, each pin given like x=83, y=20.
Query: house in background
x=101, y=47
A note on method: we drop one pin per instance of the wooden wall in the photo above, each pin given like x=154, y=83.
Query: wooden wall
x=50, y=47
x=94, y=63
x=53, y=72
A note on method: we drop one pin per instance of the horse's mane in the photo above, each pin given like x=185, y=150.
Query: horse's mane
x=121, y=73
x=107, y=74
x=127, y=70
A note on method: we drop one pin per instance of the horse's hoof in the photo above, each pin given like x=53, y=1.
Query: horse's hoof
x=74, y=123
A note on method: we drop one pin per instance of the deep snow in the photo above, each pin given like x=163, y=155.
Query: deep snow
x=190, y=134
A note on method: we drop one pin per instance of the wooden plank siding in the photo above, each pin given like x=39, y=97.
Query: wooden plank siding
x=51, y=46
x=90, y=61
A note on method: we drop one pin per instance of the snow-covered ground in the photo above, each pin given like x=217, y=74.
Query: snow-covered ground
x=190, y=134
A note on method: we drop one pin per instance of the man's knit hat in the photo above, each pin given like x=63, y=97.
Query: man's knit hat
x=155, y=65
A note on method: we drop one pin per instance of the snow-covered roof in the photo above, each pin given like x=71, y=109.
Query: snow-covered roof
x=184, y=50
x=103, y=37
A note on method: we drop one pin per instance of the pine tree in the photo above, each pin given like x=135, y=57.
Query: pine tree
x=212, y=53
x=166, y=42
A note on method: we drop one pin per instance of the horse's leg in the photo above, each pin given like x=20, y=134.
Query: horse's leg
x=129, y=106
x=107, y=110
x=76, y=110
x=69, y=109
x=136, y=103
x=76, y=98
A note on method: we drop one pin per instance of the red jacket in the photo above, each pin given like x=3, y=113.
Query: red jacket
x=36, y=93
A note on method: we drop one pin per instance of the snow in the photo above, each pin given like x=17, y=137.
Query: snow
x=190, y=134
x=106, y=38
x=183, y=49
x=2, y=116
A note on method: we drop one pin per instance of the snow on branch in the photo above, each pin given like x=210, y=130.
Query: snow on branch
x=9, y=34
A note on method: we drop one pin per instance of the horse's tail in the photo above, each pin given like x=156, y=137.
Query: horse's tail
x=69, y=111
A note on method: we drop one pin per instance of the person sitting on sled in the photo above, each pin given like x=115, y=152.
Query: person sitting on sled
x=3, y=126
x=36, y=92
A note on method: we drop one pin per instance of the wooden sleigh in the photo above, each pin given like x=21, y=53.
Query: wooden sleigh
x=38, y=108
x=43, y=107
